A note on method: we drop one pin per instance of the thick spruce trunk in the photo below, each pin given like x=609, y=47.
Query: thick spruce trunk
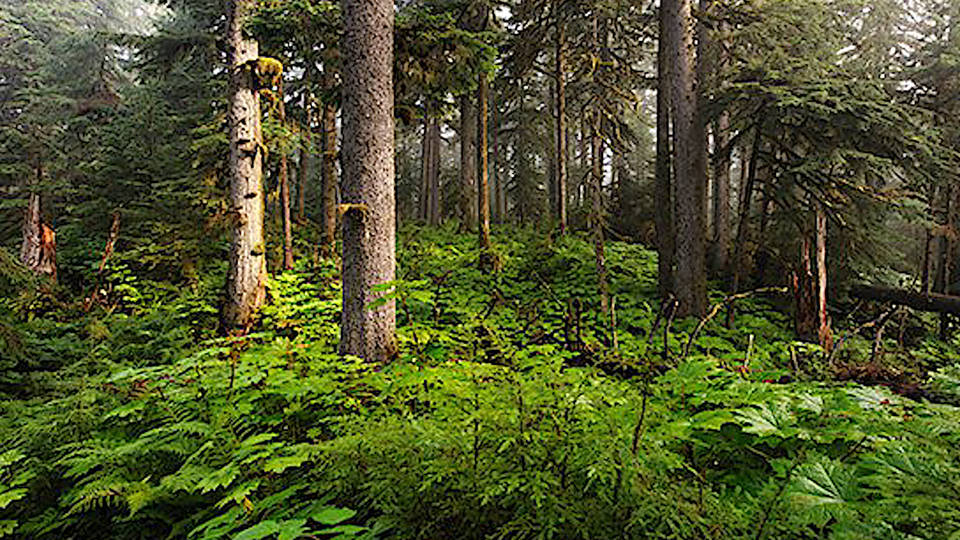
x=690, y=279
x=247, y=274
x=369, y=226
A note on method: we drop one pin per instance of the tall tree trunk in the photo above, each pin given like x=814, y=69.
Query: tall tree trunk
x=306, y=150
x=430, y=168
x=619, y=177
x=503, y=167
x=328, y=236
x=497, y=168
x=550, y=157
x=929, y=261
x=763, y=255
x=369, y=227
x=596, y=188
x=285, y=189
x=247, y=274
x=483, y=170
x=948, y=252
x=720, y=249
x=426, y=161
x=704, y=67
x=435, y=216
x=811, y=283
x=468, y=162
x=748, y=170
x=925, y=281
x=823, y=321
x=32, y=230
x=584, y=149
x=596, y=212
x=690, y=166
x=561, y=136
x=663, y=184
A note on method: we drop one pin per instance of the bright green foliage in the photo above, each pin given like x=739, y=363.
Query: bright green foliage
x=496, y=421
x=514, y=409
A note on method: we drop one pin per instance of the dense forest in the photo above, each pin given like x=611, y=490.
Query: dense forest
x=477, y=269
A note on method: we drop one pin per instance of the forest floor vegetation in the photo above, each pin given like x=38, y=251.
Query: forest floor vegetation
x=514, y=410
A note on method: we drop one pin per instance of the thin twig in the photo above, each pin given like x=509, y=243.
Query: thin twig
x=638, y=430
x=773, y=501
x=857, y=330
x=728, y=301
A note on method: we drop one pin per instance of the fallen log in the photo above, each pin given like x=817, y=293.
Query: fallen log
x=932, y=302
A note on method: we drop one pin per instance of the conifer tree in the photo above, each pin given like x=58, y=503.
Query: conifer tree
x=369, y=243
x=246, y=277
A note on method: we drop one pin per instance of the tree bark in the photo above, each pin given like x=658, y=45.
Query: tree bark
x=690, y=165
x=930, y=302
x=596, y=213
x=31, y=251
x=743, y=223
x=929, y=261
x=663, y=184
x=763, y=255
x=435, y=163
x=247, y=274
x=430, y=169
x=496, y=169
x=468, y=162
x=285, y=188
x=550, y=157
x=328, y=236
x=619, y=173
x=426, y=151
x=810, y=283
x=948, y=253
x=596, y=188
x=483, y=171
x=561, y=124
x=720, y=249
x=369, y=227
x=823, y=320
x=306, y=150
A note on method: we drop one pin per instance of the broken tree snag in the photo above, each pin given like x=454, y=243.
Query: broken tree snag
x=107, y=252
x=48, y=251
x=935, y=303
x=810, y=284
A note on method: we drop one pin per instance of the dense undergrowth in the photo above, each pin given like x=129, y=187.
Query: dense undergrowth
x=509, y=414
